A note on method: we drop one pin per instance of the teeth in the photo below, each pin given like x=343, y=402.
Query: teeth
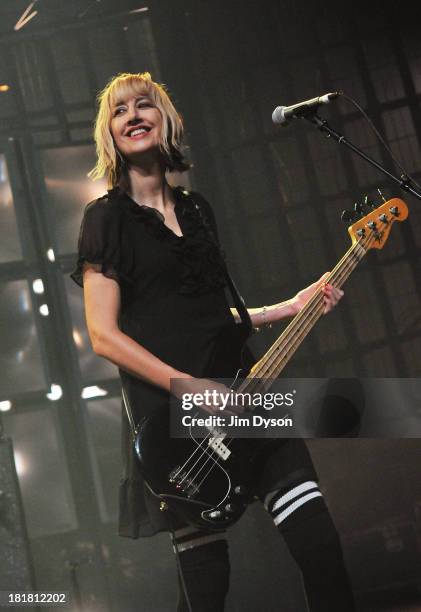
x=139, y=131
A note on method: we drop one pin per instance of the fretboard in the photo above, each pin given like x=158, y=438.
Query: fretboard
x=276, y=358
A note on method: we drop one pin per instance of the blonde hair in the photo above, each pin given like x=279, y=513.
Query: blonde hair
x=109, y=160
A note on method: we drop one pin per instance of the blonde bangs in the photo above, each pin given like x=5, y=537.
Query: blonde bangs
x=128, y=86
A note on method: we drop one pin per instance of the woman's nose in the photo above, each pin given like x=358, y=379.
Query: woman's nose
x=134, y=115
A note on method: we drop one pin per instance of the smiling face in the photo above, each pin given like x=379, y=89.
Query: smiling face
x=132, y=102
x=136, y=126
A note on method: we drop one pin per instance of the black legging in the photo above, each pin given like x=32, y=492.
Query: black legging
x=303, y=519
x=206, y=571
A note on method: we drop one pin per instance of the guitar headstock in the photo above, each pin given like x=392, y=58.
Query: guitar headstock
x=373, y=230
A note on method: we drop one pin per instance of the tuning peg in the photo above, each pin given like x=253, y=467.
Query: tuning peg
x=369, y=203
x=359, y=209
x=381, y=194
x=348, y=216
x=372, y=225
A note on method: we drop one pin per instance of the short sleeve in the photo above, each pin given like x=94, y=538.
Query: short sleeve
x=100, y=242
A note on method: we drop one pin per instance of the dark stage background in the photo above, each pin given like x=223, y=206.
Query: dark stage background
x=278, y=195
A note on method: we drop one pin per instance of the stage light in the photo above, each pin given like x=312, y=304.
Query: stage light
x=55, y=393
x=51, y=255
x=21, y=463
x=5, y=406
x=25, y=17
x=43, y=309
x=38, y=286
x=93, y=391
x=139, y=10
x=4, y=87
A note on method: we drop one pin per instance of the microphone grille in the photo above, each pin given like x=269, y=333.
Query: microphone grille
x=278, y=115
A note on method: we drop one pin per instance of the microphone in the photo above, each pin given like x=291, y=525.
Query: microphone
x=282, y=114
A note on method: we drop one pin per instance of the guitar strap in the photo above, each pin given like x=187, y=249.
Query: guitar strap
x=238, y=299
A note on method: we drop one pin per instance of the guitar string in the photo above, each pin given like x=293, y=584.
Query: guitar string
x=206, y=451
x=284, y=338
x=284, y=349
x=299, y=329
x=317, y=297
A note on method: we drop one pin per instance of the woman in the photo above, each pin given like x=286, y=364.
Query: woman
x=155, y=306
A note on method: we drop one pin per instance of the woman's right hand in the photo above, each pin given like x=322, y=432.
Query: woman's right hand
x=211, y=397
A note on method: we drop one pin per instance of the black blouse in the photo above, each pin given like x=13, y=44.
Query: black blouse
x=172, y=302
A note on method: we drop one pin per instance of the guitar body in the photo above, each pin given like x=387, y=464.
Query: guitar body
x=194, y=482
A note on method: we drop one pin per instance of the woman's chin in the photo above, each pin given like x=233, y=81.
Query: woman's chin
x=144, y=158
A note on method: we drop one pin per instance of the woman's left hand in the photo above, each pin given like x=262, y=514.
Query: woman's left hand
x=331, y=294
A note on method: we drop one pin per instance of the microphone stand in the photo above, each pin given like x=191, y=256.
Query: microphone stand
x=403, y=181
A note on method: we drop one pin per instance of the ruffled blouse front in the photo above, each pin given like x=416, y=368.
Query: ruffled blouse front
x=101, y=240
x=199, y=256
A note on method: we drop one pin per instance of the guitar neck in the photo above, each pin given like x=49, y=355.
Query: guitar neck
x=279, y=354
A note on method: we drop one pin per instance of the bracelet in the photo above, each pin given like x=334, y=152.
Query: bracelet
x=268, y=323
x=264, y=322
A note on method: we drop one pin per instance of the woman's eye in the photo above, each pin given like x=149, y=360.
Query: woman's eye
x=118, y=111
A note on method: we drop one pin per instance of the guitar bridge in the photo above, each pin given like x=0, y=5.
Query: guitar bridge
x=183, y=483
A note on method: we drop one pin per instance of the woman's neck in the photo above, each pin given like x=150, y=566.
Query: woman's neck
x=148, y=186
